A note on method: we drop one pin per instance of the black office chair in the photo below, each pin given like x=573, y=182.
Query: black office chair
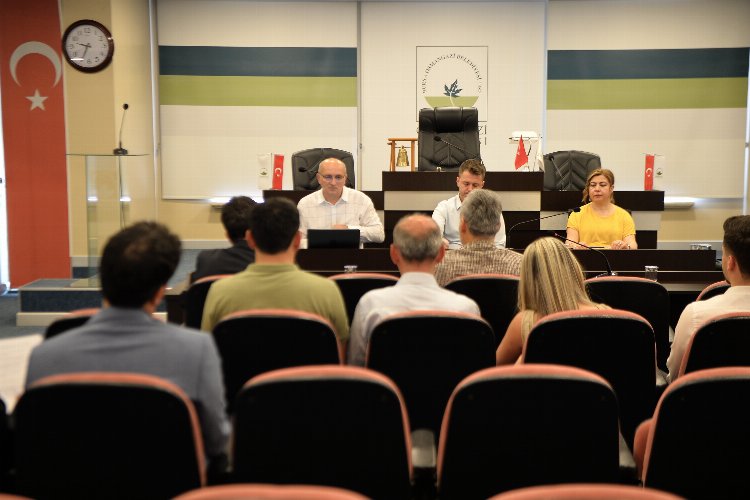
x=568, y=170
x=447, y=137
x=305, y=165
x=721, y=341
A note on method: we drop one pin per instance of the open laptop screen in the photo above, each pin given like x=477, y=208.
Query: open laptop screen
x=333, y=238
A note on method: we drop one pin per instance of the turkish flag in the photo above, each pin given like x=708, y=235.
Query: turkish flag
x=34, y=136
x=278, y=171
x=521, y=156
x=648, y=179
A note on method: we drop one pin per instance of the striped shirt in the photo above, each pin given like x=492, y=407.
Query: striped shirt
x=477, y=257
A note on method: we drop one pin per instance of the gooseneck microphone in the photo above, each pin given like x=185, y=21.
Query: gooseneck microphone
x=606, y=260
x=567, y=212
x=469, y=156
x=120, y=151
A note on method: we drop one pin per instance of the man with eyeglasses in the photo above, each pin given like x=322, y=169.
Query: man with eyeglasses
x=336, y=206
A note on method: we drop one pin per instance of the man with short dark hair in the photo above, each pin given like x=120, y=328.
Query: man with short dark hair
x=416, y=249
x=735, y=263
x=471, y=175
x=235, y=217
x=136, y=264
x=335, y=206
x=273, y=280
x=480, y=220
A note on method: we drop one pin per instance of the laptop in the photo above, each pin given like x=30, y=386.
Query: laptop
x=333, y=238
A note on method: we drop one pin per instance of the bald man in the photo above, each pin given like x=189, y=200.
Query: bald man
x=416, y=249
x=335, y=206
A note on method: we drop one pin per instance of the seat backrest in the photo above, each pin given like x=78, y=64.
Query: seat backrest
x=713, y=290
x=721, y=341
x=337, y=426
x=514, y=426
x=618, y=345
x=259, y=340
x=74, y=319
x=427, y=353
x=106, y=435
x=641, y=296
x=496, y=295
x=568, y=170
x=269, y=492
x=195, y=299
x=443, y=125
x=305, y=165
x=354, y=285
x=586, y=492
x=698, y=441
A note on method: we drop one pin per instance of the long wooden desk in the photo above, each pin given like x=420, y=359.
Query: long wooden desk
x=683, y=272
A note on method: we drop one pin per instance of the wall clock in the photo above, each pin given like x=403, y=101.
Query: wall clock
x=88, y=46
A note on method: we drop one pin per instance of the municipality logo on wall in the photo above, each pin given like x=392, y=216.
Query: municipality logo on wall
x=452, y=76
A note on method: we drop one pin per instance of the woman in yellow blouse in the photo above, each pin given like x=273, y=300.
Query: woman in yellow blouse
x=601, y=223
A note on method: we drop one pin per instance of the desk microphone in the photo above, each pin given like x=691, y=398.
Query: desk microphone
x=606, y=260
x=568, y=212
x=469, y=156
x=121, y=151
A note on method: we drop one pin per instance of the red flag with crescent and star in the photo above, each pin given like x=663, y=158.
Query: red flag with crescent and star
x=521, y=157
x=648, y=178
x=278, y=171
x=31, y=75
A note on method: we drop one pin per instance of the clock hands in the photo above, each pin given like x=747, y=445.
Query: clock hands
x=87, y=45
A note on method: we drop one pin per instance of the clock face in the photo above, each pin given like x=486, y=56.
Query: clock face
x=88, y=45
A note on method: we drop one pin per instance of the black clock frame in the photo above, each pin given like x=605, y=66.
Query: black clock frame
x=110, y=53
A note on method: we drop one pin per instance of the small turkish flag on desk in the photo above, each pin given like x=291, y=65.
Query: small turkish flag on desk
x=648, y=178
x=278, y=171
x=521, y=156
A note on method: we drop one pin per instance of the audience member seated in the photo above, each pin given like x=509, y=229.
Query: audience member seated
x=235, y=216
x=551, y=281
x=135, y=266
x=335, y=206
x=601, y=223
x=416, y=250
x=735, y=263
x=480, y=220
x=470, y=177
x=273, y=280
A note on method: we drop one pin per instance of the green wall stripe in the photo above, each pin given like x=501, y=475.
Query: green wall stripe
x=673, y=93
x=258, y=91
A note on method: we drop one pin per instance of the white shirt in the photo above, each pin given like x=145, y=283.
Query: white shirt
x=354, y=209
x=735, y=299
x=448, y=215
x=413, y=292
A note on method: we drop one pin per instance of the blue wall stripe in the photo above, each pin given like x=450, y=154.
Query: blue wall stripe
x=653, y=63
x=257, y=61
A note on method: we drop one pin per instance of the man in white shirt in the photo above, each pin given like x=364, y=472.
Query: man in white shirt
x=335, y=206
x=416, y=249
x=736, y=266
x=471, y=175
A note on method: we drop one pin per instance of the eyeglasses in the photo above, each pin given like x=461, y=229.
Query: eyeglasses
x=331, y=178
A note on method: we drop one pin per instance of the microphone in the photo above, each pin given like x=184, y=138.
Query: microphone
x=568, y=212
x=606, y=260
x=469, y=156
x=121, y=151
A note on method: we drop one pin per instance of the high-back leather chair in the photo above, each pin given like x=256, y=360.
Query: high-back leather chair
x=568, y=170
x=514, y=426
x=427, y=353
x=339, y=426
x=305, y=165
x=269, y=492
x=447, y=137
x=586, y=492
x=713, y=290
x=696, y=443
x=107, y=435
x=642, y=296
x=495, y=294
x=195, y=299
x=73, y=319
x=259, y=340
x=354, y=285
x=721, y=341
x=618, y=345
